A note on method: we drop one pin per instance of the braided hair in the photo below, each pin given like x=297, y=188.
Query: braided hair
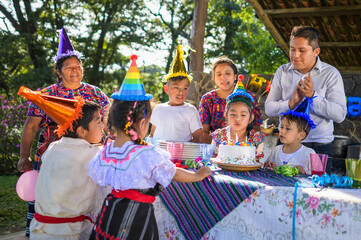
x=123, y=115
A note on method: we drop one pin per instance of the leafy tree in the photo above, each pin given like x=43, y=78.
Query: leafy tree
x=29, y=36
x=174, y=17
x=96, y=27
x=234, y=31
x=114, y=23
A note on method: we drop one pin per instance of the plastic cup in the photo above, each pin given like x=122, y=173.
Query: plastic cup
x=175, y=150
x=353, y=170
x=318, y=163
x=206, y=151
x=152, y=141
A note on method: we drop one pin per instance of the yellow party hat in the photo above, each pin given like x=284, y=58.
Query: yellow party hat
x=178, y=68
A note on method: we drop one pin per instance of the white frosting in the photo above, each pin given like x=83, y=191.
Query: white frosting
x=240, y=155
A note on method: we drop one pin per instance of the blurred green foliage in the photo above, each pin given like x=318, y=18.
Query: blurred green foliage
x=12, y=209
x=12, y=118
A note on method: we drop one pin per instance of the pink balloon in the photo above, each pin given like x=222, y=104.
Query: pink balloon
x=25, y=187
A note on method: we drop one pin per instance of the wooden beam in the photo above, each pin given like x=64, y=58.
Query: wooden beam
x=349, y=70
x=340, y=44
x=269, y=25
x=313, y=11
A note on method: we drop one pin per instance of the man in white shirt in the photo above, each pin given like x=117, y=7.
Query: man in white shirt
x=307, y=76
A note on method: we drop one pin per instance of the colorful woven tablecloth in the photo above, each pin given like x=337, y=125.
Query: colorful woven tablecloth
x=197, y=207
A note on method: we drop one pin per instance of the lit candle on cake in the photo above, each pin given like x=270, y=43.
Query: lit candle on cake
x=228, y=135
x=236, y=137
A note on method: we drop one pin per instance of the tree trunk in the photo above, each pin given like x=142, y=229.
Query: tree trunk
x=171, y=51
x=197, y=35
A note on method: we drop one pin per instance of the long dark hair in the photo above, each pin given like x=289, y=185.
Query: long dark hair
x=120, y=110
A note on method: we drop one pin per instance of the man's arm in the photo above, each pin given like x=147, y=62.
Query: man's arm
x=330, y=103
x=274, y=104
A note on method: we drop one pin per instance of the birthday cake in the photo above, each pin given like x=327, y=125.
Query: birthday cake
x=240, y=154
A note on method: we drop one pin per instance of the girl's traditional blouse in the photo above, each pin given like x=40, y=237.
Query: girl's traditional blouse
x=86, y=91
x=212, y=107
x=255, y=138
x=131, y=166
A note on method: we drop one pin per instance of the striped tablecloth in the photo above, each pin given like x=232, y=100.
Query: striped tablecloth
x=197, y=207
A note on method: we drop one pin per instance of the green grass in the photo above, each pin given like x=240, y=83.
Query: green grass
x=13, y=210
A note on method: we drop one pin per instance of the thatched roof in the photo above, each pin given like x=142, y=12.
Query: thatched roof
x=339, y=22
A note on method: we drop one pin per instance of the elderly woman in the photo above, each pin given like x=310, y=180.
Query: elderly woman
x=69, y=71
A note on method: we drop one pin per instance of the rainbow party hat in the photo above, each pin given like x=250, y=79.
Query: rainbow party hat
x=65, y=47
x=303, y=111
x=178, y=68
x=132, y=87
x=240, y=94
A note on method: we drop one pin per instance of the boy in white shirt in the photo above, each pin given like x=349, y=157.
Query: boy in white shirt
x=66, y=198
x=176, y=120
x=295, y=126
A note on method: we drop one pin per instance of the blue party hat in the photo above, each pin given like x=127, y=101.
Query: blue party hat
x=65, y=47
x=132, y=87
x=240, y=94
x=303, y=111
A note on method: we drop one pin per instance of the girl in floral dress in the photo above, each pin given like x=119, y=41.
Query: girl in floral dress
x=239, y=115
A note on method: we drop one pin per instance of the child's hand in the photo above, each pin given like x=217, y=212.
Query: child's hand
x=302, y=171
x=269, y=164
x=182, y=175
x=203, y=172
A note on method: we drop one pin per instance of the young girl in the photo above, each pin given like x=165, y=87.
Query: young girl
x=239, y=116
x=213, y=103
x=136, y=172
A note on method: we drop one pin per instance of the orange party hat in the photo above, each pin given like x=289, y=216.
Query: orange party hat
x=63, y=111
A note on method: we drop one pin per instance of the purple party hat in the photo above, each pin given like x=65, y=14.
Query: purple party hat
x=65, y=47
x=132, y=87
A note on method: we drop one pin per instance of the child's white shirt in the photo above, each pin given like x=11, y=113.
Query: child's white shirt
x=299, y=158
x=64, y=190
x=175, y=123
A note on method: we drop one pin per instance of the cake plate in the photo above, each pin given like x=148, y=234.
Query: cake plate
x=236, y=168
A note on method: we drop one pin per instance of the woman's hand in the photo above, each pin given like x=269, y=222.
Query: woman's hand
x=24, y=164
x=30, y=128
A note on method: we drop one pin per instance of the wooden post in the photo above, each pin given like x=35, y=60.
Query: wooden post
x=197, y=35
